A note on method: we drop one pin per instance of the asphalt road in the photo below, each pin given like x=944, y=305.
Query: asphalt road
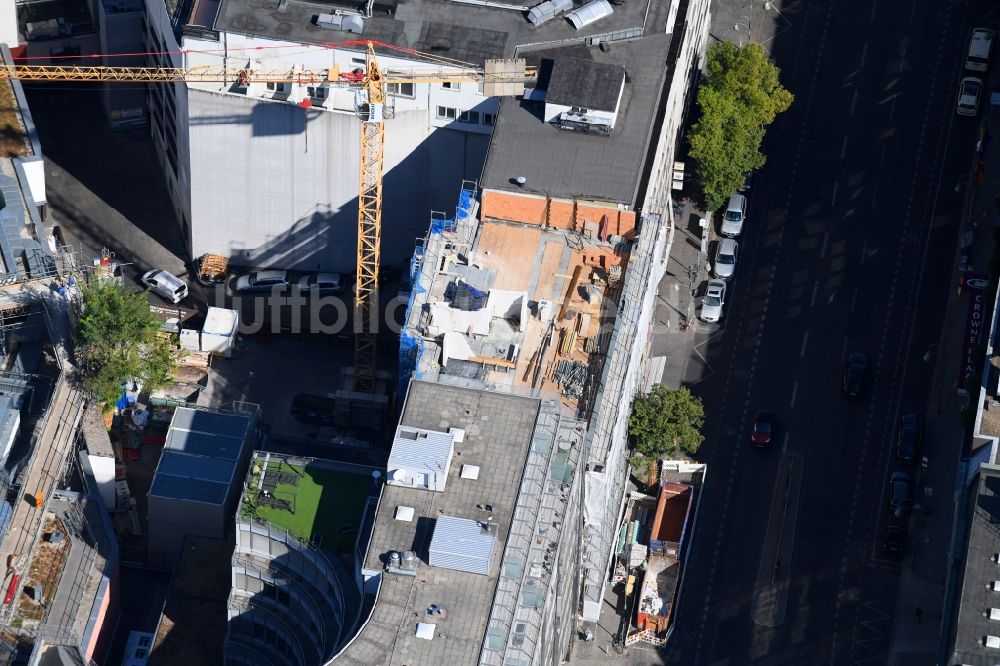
x=850, y=237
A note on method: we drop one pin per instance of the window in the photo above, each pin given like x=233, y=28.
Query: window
x=358, y=61
x=447, y=112
x=489, y=118
x=317, y=92
x=277, y=88
x=400, y=89
x=451, y=85
x=469, y=117
x=578, y=109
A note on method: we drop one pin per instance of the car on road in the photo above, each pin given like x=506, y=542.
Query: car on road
x=970, y=90
x=977, y=58
x=908, y=440
x=900, y=491
x=735, y=216
x=315, y=409
x=323, y=283
x=894, y=542
x=725, y=258
x=262, y=281
x=854, y=374
x=763, y=429
x=166, y=285
x=712, y=301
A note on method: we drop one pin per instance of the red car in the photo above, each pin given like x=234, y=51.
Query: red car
x=763, y=429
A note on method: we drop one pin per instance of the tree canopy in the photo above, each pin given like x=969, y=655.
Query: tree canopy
x=119, y=341
x=666, y=421
x=740, y=96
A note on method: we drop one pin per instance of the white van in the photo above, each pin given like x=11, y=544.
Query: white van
x=166, y=285
x=978, y=58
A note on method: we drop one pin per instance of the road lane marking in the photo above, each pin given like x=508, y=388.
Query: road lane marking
x=784, y=443
x=875, y=198
x=843, y=352
x=902, y=58
x=864, y=251
x=854, y=101
x=881, y=160
x=892, y=108
x=843, y=148
x=822, y=250
x=871, y=16
x=812, y=301
x=795, y=391
x=833, y=198
x=805, y=339
x=864, y=54
x=854, y=300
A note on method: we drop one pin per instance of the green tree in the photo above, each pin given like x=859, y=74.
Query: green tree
x=666, y=421
x=740, y=96
x=119, y=340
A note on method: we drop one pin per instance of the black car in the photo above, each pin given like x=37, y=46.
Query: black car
x=908, y=440
x=854, y=374
x=317, y=409
x=763, y=429
x=900, y=491
x=894, y=543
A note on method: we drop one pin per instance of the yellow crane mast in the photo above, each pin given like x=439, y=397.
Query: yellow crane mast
x=501, y=77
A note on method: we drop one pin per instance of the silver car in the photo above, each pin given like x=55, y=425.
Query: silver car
x=712, y=301
x=735, y=216
x=725, y=258
x=969, y=92
x=166, y=285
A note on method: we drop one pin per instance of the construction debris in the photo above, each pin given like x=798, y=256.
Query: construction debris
x=571, y=376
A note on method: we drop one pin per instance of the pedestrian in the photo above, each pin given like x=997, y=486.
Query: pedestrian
x=918, y=615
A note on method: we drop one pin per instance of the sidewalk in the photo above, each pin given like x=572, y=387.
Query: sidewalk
x=925, y=568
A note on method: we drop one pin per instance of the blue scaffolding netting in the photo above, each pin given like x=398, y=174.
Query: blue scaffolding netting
x=411, y=346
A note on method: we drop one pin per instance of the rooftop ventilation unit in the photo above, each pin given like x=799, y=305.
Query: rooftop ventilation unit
x=548, y=10
x=582, y=122
x=992, y=642
x=405, y=564
x=590, y=13
x=349, y=23
x=994, y=614
x=995, y=585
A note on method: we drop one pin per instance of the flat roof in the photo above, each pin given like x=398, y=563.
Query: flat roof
x=981, y=570
x=565, y=164
x=498, y=433
x=200, y=456
x=456, y=30
x=585, y=83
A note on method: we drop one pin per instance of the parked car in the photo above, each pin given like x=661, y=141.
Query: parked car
x=712, y=301
x=166, y=285
x=262, y=281
x=735, y=216
x=324, y=283
x=854, y=374
x=970, y=90
x=725, y=258
x=316, y=409
x=763, y=429
x=894, y=542
x=900, y=491
x=977, y=58
x=908, y=440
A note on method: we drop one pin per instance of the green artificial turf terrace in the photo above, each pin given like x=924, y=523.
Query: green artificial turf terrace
x=326, y=505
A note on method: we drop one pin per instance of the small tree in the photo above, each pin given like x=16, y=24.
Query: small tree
x=665, y=421
x=119, y=341
x=740, y=97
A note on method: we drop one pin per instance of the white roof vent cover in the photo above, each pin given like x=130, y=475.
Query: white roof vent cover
x=470, y=472
x=425, y=630
x=404, y=513
x=995, y=613
x=993, y=642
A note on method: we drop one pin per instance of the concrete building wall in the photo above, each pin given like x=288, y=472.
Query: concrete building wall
x=276, y=185
x=8, y=23
x=170, y=520
x=121, y=31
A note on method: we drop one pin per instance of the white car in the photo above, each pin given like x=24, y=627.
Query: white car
x=166, y=285
x=735, y=216
x=712, y=301
x=323, y=283
x=969, y=92
x=725, y=258
x=262, y=281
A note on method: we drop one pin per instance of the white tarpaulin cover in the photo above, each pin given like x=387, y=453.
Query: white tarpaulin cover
x=595, y=498
x=454, y=346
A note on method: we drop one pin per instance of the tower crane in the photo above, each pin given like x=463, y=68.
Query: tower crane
x=500, y=77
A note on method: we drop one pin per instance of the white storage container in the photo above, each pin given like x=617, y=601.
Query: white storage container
x=218, y=335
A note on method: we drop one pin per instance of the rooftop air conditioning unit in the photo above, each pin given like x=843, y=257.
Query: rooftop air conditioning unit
x=992, y=642
x=347, y=23
x=994, y=614
x=548, y=10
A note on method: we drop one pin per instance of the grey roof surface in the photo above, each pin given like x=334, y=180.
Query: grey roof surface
x=585, y=83
x=459, y=31
x=981, y=570
x=462, y=544
x=498, y=432
x=558, y=163
x=200, y=456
